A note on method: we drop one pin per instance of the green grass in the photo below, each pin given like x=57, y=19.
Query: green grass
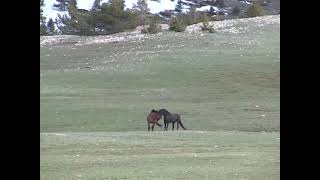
x=225, y=86
x=214, y=81
x=160, y=155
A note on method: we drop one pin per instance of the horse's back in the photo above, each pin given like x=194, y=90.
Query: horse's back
x=153, y=117
x=173, y=117
x=177, y=115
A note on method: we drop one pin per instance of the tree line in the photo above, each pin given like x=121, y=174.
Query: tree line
x=111, y=17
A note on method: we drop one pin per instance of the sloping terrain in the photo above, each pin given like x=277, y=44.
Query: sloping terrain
x=95, y=94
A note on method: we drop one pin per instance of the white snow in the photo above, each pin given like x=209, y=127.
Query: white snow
x=188, y=2
x=48, y=10
x=207, y=8
x=156, y=7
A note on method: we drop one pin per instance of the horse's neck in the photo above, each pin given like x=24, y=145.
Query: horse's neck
x=166, y=114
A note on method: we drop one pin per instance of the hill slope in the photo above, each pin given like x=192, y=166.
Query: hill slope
x=220, y=81
x=91, y=87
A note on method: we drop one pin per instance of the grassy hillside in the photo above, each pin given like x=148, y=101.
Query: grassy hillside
x=221, y=81
x=95, y=98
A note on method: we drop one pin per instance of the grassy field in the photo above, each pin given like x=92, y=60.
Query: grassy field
x=160, y=155
x=225, y=86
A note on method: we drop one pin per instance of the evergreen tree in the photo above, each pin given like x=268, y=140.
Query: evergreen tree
x=111, y=18
x=205, y=21
x=96, y=4
x=42, y=18
x=72, y=2
x=179, y=6
x=220, y=3
x=43, y=27
x=154, y=26
x=79, y=21
x=255, y=10
x=236, y=11
x=141, y=6
x=205, y=24
x=64, y=24
x=76, y=24
x=177, y=24
x=51, y=28
x=63, y=5
x=142, y=9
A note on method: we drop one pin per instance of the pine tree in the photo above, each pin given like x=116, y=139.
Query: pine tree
x=141, y=6
x=63, y=5
x=41, y=10
x=76, y=24
x=220, y=3
x=142, y=9
x=79, y=21
x=205, y=21
x=154, y=26
x=110, y=18
x=177, y=24
x=64, y=24
x=205, y=24
x=179, y=6
x=51, y=28
x=236, y=11
x=72, y=2
x=96, y=4
x=43, y=27
x=255, y=10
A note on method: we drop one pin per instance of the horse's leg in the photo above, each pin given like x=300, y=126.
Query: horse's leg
x=152, y=126
x=177, y=125
x=165, y=125
x=148, y=126
x=173, y=126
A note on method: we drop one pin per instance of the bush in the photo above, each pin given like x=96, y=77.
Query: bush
x=212, y=30
x=153, y=28
x=205, y=24
x=177, y=25
x=255, y=10
x=236, y=11
x=43, y=29
x=220, y=3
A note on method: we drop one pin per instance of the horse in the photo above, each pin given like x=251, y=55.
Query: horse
x=170, y=118
x=153, y=118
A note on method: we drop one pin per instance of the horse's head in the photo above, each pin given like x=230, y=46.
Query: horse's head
x=163, y=112
x=155, y=114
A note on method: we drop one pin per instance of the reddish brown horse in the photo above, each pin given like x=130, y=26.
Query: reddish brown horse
x=153, y=119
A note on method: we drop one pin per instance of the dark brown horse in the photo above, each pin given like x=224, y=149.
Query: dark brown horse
x=153, y=119
x=169, y=117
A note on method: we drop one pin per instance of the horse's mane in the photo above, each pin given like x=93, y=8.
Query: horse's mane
x=154, y=111
x=165, y=111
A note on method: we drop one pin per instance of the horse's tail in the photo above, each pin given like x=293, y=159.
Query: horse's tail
x=159, y=124
x=179, y=121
